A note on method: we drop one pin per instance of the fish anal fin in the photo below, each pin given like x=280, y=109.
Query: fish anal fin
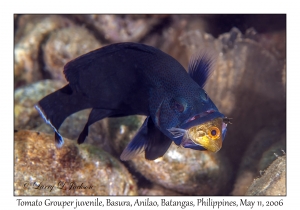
x=95, y=115
x=158, y=148
x=84, y=133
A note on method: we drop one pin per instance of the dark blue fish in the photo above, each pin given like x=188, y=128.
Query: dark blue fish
x=135, y=79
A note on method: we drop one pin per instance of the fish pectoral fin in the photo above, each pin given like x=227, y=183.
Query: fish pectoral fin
x=158, y=143
x=158, y=148
x=137, y=144
x=149, y=139
x=95, y=115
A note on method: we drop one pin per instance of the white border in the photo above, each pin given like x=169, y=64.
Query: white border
x=8, y=8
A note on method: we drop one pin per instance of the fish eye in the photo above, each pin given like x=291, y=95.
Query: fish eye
x=214, y=132
x=177, y=105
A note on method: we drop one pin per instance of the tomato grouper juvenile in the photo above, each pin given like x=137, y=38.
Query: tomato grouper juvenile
x=135, y=79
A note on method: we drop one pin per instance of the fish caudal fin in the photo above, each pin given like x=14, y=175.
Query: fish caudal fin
x=149, y=139
x=57, y=106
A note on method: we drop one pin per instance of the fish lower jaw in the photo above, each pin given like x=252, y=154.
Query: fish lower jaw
x=188, y=143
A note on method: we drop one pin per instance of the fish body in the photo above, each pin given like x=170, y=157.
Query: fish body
x=129, y=79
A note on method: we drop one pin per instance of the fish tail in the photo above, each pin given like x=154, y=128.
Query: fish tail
x=57, y=106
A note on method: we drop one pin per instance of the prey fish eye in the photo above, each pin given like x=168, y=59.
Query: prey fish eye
x=125, y=79
x=214, y=132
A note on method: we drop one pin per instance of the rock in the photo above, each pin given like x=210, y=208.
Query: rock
x=39, y=165
x=267, y=145
x=121, y=28
x=183, y=170
x=170, y=38
x=272, y=182
x=187, y=171
x=64, y=45
x=122, y=129
x=274, y=42
x=31, y=32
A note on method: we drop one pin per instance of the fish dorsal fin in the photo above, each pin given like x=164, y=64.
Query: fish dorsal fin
x=200, y=67
x=82, y=63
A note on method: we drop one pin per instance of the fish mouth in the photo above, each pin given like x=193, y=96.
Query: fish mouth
x=201, y=118
x=200, y=115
